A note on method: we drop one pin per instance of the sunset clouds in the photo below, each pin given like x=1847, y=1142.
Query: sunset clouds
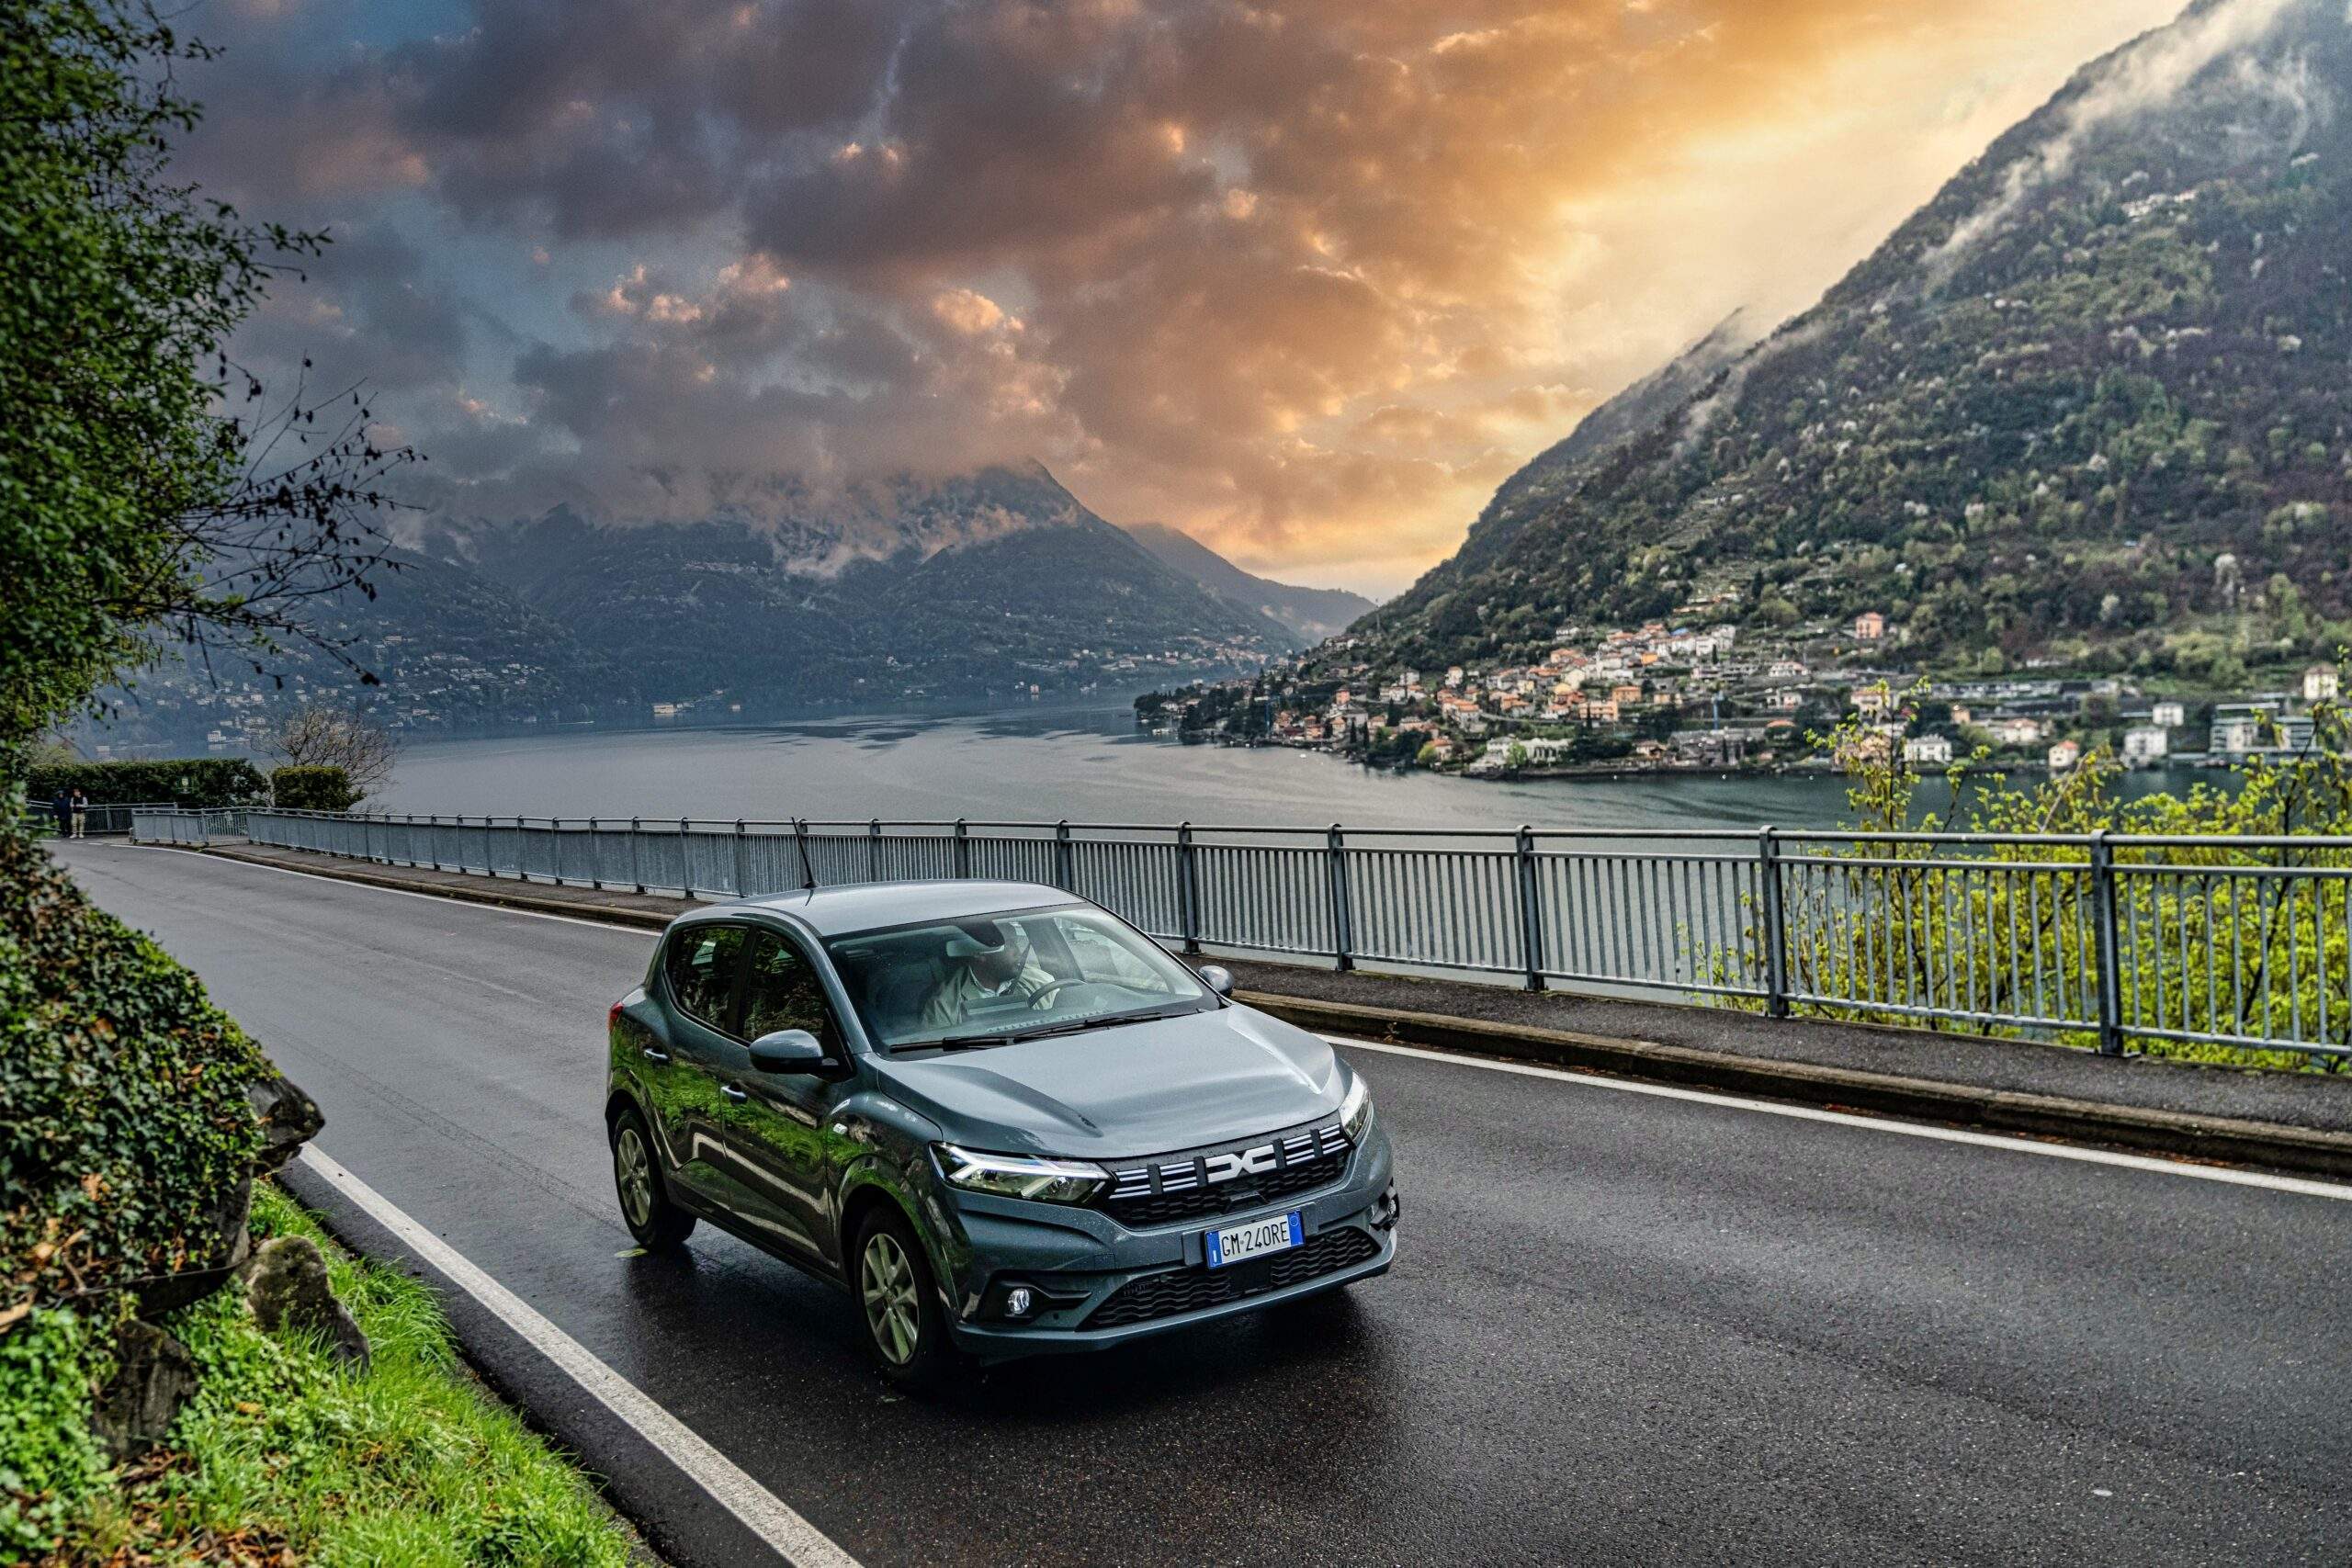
x=1305, y=278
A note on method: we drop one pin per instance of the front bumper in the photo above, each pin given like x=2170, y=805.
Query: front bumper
x=1077, y=1260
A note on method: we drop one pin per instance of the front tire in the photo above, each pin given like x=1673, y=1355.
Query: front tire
x=657, y=1223
x=897, y=1300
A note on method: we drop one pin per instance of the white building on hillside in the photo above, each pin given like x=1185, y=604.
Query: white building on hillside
x=1931, y=750
x=2146, y=745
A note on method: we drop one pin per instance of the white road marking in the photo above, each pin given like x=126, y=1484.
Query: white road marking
x=2016, y=1143
x=646, y=932
x=793, y=1537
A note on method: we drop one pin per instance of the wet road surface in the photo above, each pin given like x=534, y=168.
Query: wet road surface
x=1620, y=1328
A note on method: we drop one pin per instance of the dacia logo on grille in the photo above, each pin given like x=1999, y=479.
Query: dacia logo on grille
x=1253, y=1162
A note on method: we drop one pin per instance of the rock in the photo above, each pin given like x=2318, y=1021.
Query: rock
x=286, y=1286
x=209, y=1266
x=153, y=1377
x=289, y=1120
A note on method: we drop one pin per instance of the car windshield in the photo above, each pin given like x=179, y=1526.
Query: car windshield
x=988, y=980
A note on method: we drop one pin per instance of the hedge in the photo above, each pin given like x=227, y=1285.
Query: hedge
x=124, y=1114
x=188, y=781
x=315, y=788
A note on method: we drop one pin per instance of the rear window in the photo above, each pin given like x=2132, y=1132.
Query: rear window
x=702, y=964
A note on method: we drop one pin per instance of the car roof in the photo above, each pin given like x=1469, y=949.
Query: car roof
x=870, y=906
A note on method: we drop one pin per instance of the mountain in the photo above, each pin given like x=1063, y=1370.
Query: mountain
x=975, y=587
x=1312, y=614
x=2089, y=406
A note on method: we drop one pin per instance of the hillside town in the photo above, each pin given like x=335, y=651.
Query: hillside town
x=1715, y=698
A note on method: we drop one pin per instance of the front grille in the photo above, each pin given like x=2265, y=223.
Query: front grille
x=1189, y=1289
x=1197, y=1186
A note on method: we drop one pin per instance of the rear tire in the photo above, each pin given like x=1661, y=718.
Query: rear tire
x=657, y=1223
x=898, y=1302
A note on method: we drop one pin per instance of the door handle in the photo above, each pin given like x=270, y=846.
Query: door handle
x=734, y=1091
x=653, y=1055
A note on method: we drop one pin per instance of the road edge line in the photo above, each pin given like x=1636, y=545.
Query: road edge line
x=769, y=1517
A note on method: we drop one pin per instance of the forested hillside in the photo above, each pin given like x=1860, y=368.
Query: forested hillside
x=2089, y=406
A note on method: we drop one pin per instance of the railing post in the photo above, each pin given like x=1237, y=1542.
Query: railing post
x=636, y=858
x=686, y=856
x=2111, y=977
x=1531, y=910
x=1065, y=868
x=963, y=849
x=874, y=848
x=800, y=842
x=595, y=860
x=432, y=836
x=1335, y=860
x=1188, y=887
x=742, y=852
x=1776, y=927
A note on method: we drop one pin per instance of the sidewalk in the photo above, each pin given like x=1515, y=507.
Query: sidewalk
x=2295, y=1122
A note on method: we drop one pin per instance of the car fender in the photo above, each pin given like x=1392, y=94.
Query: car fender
x=892, y=1153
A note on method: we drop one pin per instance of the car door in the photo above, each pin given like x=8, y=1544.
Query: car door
x=783, y=1149
x=703, y=969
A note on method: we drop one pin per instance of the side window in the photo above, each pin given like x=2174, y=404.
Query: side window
x=702, y=965
x=784, y=992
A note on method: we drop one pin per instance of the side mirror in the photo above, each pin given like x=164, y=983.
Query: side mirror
x=1217, y=978
x=788, y=1051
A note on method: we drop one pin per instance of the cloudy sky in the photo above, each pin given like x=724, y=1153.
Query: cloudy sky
x=1307, y=279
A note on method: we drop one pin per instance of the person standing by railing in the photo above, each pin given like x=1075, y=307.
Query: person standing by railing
x=61, y=811
x=81, y=808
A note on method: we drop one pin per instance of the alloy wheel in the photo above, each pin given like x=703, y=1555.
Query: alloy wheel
x=888, y=1282
x=634, y=1172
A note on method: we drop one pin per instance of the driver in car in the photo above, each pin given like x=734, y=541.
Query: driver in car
x=987, y=964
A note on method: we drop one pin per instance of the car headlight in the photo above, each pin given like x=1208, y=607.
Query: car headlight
x=1021, y=1175
x=1355, y=1111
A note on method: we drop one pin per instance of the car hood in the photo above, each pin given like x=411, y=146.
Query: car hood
x=1143, y=1088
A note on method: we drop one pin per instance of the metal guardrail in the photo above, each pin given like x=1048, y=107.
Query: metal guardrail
x=109, y=818
x=169, y=824
x=2089, y=939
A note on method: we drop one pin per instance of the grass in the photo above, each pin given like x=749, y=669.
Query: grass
x=283, y=1456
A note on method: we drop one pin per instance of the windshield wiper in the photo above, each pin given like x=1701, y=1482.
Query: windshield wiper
x=1108, y=1021
x=949, y=1042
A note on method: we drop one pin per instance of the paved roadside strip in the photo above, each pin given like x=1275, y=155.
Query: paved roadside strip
x=2180, y=1133
x=693, y=1502
x=2163, y=1130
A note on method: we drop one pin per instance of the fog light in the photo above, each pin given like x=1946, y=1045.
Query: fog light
x=1017, y=1302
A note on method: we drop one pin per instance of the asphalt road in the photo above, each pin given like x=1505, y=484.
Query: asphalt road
x=1620, y=1328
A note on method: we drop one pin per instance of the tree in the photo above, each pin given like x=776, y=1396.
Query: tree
x=150, y=489
x=319, y=736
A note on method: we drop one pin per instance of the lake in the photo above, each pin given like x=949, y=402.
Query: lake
x=1089, y=765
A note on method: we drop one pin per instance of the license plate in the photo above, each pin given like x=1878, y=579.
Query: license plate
x=1277, y=1232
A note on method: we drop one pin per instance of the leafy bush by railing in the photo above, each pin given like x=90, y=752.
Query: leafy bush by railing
x=318, y=787
x=2193, y=923
x=192, y=782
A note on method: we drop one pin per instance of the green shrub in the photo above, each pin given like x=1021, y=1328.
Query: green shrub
x=50, y=1461
x=124, y=1114
x=190, y=780
x=320, y=788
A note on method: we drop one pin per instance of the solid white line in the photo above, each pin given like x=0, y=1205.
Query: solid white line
x=793, y=1537
x=2016, y=1144
x=646, y=932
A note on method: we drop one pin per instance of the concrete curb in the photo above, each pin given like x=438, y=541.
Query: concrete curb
x=2184, y=1135
x=501, y=894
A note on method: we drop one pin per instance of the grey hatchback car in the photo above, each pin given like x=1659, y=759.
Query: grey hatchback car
x=1005, y=1120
